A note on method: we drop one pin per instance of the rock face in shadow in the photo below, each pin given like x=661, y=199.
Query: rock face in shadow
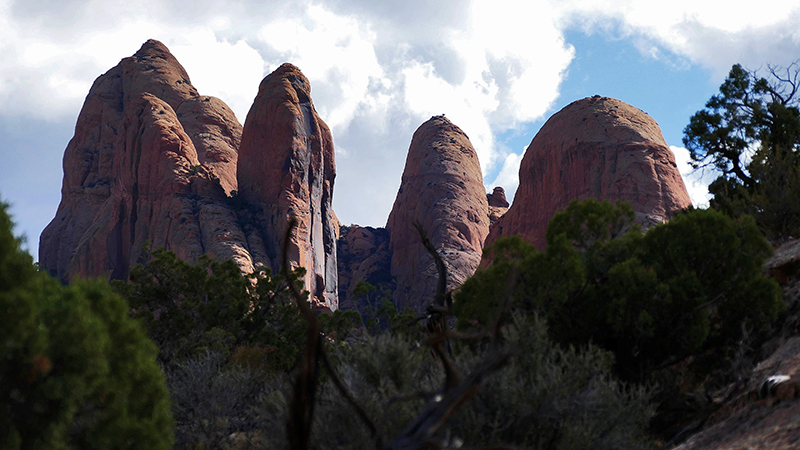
x=597, y=147
x=363, y=254
x=152, y=163
x=286, y=169
x=442, y=190
x=216, y=135
x=131, y=173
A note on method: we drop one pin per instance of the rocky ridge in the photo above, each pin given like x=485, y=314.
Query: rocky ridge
x=152, y=163
x=596, y=147
x=441, y=191
x=155, y=163
x=287, y=169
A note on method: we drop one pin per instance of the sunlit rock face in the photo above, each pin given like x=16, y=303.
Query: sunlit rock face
x=597, y=147
x=286, y=168
x=154, y=164
x=441, y=190
x=132, y=176
x=216, y=135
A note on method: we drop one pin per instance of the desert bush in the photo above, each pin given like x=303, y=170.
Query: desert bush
x=379, y=313
x=216, y=404
x=546, y=398
x=389, y=375
x=686, y=287
x=554, y=397
x=190, y=309
x=75, y=370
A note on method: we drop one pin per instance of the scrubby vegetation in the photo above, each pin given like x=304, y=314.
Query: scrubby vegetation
x=575, y=346
x=750, y=132
x=685, y=288
x=75, y=370
x=596, y=341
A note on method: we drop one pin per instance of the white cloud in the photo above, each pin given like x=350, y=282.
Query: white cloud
x=508, y=177
x=696, y=181
x=377, y=69
x=715, y=33
x=229, y=71
x=337, y=54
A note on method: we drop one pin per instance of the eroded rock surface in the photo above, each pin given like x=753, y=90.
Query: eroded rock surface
x=216, y=135
x=597, y=147
x=498, y=205
x=442, y=190
x=152, y=163
x=362, y=254
x=127, y=129
x=286, y=168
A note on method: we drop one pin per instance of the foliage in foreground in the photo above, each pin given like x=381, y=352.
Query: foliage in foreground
x=750, y=133
x=688, y=287
x=75, y=370
x=546, y=398
x=190, y=309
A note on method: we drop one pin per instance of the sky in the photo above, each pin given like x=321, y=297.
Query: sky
x=379, y=69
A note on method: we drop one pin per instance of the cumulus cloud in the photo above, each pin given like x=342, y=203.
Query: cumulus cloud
x=714, y=34
x=377, y=69
x=230, y=71
x=696, y=181
x=508, y=176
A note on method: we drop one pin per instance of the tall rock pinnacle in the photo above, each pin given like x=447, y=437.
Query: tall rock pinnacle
x=442, y=190
x=286, y=167
x=133, y=176
x=597, y=147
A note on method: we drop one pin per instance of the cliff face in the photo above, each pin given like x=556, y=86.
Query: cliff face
x=130, y=173
x=216, y=135
x=286, y=168
x=596, y=147
x=152, y=162
x=442, y=190
x=362, y=254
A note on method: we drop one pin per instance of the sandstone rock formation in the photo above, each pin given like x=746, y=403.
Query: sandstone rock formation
x=152, y=162
x=596, y=147
x=216, y=135
x=442, y=190
x=286, y=168
x=362, y=254
x=128, y=172
x=498, y=205
x=497, y=198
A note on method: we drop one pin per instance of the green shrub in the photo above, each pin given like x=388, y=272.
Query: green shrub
x=546, y=397
x=75, y=370
x=550, y=397
x=210, y=306
x=217, y=404
x=684, y=288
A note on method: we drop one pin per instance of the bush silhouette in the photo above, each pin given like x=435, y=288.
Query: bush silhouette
x=686, y=287
x=75, y=370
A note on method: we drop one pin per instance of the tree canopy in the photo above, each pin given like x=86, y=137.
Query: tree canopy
x=750, y=132
x=75, y=370
x=681, y=289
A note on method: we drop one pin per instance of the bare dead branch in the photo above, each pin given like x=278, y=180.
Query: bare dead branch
x=301, y=407
x=350, y=399
x=438, y=311
x=304, y=387
x=435, y=414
